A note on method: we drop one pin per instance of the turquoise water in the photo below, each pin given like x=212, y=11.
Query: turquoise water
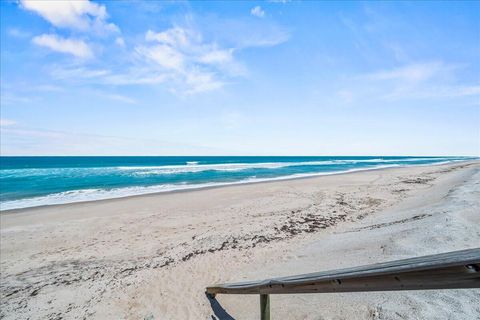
x=37, y=181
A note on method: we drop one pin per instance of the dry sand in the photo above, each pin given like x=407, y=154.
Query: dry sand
x=151, y=257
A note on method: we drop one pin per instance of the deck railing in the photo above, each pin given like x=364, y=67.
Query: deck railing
x=452, y=270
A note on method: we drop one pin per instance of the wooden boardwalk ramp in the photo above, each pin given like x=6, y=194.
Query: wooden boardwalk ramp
x=451, y=270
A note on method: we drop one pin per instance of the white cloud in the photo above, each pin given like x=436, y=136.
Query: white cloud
x=200, y=81
x=18, y=33
x=120, y=42
x=190, y=63
x=80, y=15
x=421, y=80
x=189, y=45
x=425, y=80
x=135, y=75
x=138, y=76
x=75, y=47
x=119, y=98
x=13, y=99
x=217, y=56
x=48, y=88
x=180, y=58
x=410, y=73
x=176, y=37
x=258, y=12
x=164, y=55
x=77, y=73
x=260, y=35
x=7, y=122
x=446, y=91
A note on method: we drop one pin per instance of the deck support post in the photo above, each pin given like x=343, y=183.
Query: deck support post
x=264, y=307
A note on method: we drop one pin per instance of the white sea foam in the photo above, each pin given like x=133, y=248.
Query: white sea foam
x=103, y=194
x=174, y=169
x=190, y=167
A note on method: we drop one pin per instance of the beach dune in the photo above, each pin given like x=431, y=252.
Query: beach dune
x=151, y=257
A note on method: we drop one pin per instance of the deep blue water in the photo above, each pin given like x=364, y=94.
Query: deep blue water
x=35, y=181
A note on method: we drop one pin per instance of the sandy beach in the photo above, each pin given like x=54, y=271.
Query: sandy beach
x=151, y=257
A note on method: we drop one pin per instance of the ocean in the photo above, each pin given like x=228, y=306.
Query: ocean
x=38, y=181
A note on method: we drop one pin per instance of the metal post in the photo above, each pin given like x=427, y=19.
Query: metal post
x=265, y=307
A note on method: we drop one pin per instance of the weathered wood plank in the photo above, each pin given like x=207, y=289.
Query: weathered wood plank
x=452, y=270
x=264, y=307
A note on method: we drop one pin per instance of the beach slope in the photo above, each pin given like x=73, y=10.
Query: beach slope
x=151, y=257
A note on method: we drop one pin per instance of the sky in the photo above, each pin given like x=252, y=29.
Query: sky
x=239, y=78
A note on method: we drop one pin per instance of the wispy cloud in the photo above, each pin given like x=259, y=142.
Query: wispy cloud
x=420, y=80
x=446, y=91
x=77, y=72
x=7, y=122
x=248, y=32
x=411, y=73
x=257, y=12
x=423, y=80
x=120, y=41
x=9, y=98
x=75, y=47
x=183, y=56
x=134, y=76
x=48, y=88
x=18, y=33
x=119, y=98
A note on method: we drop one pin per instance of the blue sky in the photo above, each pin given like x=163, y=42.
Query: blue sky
x=240, y=78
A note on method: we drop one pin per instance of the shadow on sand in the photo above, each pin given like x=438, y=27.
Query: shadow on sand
x=219, y=312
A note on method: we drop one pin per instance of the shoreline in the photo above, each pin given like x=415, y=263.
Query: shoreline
x=152, y=256
x=233, y=184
